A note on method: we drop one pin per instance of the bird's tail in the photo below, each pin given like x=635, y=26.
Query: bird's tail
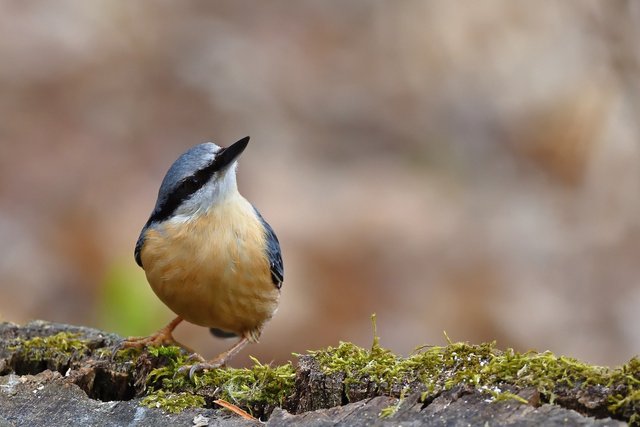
x=221, y=334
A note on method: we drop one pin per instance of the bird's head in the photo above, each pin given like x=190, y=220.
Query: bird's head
x=201, y=177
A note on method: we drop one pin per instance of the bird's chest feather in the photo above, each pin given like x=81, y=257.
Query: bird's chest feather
x=213, y=269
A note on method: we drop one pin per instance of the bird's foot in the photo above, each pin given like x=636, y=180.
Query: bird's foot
x=202, y=365
x=195, y=357
x=157, y=339
x=163, y=337
x=217, y=362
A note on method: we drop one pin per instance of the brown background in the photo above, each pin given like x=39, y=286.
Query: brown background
x=468, y=167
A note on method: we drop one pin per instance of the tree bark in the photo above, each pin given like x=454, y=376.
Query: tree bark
x=89, y=385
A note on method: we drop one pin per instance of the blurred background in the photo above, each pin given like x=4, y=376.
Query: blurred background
x=468, y=167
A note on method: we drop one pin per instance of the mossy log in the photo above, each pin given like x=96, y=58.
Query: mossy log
x=55, y=374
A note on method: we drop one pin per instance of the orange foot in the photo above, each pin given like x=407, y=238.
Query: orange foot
x=162, y=337
x=217, y=362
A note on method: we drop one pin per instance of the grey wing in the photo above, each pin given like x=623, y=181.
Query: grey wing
x=139, y=245
x=273, y=252
x=136, y=253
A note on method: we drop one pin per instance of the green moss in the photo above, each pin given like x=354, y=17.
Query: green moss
x=501, y=396
x=54, y=346
x=392, y=409
x=257, y=387
x=430, y=369
x=66, y=345
x=482, y=366
x=172, y=402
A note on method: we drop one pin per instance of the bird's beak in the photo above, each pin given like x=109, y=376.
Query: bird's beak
x=226, y=156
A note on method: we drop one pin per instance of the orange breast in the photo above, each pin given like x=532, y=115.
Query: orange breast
x=213, y=270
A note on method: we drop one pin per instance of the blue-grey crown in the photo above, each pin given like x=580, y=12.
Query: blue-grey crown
x=192, y=160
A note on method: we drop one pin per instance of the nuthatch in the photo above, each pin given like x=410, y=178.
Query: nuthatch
x=207, y=252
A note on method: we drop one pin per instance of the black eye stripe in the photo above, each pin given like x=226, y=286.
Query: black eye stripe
x=182, y=192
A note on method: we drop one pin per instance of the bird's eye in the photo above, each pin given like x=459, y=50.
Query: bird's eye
x=190, y=185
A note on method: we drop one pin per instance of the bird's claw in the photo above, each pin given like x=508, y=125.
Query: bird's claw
x=195, y=357
x=197, y=367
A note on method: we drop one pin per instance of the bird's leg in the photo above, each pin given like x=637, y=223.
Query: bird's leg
x=162, y=337
x=218, y=361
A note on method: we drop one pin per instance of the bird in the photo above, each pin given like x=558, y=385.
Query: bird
x=208, y=254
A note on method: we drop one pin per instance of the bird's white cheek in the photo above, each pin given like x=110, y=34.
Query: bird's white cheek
x=217, y=190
